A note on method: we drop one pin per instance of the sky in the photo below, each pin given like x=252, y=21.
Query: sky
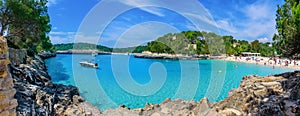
x=126, y=23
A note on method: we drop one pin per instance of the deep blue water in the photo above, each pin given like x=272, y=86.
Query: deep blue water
x=123, y=79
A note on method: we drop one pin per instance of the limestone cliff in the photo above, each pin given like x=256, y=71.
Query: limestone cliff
x=7, y=102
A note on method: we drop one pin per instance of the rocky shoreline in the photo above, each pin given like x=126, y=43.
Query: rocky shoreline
x=37, y=95
x=170, y=56
x=272, y=95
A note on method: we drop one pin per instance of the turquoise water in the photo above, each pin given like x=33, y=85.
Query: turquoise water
x=123, y=79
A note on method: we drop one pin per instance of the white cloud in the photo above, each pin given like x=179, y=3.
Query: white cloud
x=51, y=2
x=258, y=11
x=61, y=37
x=61, y=33
x=263, y=40
x=143, y=6
x=143, y=33
x=71, y=37
x=259, y=21
x=203, y=18
x=226, y=25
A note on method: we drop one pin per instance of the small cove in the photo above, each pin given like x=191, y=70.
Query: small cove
x=123, y=79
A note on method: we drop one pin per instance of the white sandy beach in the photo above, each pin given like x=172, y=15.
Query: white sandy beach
x=283, y=63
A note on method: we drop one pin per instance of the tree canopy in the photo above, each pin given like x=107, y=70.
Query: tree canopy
x=206, y=43
x=287, y=41
x=26, y=24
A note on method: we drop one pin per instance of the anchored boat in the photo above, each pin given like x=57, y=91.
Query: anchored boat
x=88, y=64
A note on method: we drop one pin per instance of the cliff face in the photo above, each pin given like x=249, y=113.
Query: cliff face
x=7, y=102
x=37, y=95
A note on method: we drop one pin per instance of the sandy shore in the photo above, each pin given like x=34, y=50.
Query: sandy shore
x=267, y=61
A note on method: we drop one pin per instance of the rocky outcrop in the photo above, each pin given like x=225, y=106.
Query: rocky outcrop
x=272, y=95
x=7, y=102
x=17, y=56
x=46, y=55
x=168, y=107
x=37, y=95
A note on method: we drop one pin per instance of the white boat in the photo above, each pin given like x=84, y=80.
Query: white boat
x=88, y=64
x=94, y=54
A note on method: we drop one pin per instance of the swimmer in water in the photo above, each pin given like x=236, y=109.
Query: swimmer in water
x=219, y=71
x=235, y=66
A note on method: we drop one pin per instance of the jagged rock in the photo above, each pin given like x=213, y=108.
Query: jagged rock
x=77, y=99
x=204, y=106
x=46, y=55
x=37, y=95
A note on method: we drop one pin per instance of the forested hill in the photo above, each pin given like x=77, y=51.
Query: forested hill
x=82, y=46
x=196, y=42
x=88, y=46
x=186, y=42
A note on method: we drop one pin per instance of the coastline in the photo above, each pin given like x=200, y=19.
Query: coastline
x=204, y=107
x=81, y=52
x=270, y=95
x=170, y=56
x=265, y=62
x=262, y=61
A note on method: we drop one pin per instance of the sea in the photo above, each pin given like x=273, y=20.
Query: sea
x=133, y=82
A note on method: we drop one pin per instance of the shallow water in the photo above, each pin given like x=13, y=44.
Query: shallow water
x=123, y=79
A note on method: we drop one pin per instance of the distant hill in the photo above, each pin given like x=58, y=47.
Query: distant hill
x=82, y=46
x=88, y=46
x=186, y=42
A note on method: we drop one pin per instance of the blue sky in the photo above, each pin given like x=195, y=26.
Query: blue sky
x=124, y=23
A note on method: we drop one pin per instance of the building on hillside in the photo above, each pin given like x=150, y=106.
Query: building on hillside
x=147, y=52
x=194, y=46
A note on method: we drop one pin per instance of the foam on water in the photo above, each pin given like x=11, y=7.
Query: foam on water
x=123, y=79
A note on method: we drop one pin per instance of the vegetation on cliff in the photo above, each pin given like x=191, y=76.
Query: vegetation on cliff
x=206, y=43
x=82, y=46
x=25, y=24
x=88, y=46
x=186, y=42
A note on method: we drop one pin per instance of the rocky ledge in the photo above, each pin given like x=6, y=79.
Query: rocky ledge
x=37, y=95
x=46, y=55
x=271, y=95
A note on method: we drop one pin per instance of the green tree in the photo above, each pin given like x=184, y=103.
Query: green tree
x=255, y=46
x=26, y=23
x=288, y=26
x=266, y=49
